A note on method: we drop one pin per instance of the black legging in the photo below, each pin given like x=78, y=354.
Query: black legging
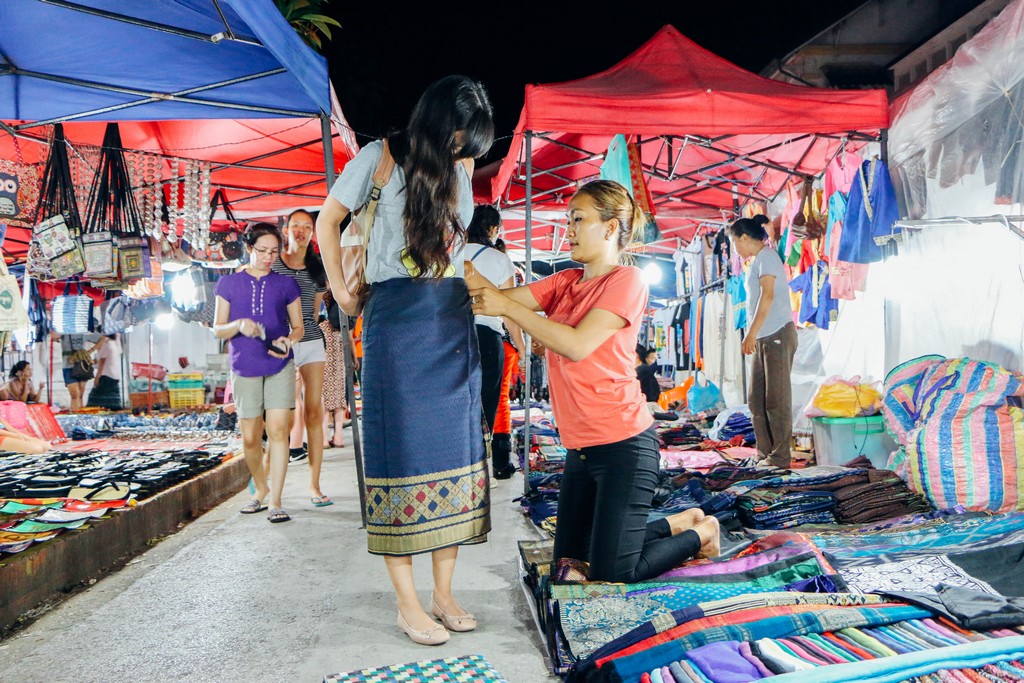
x=602, y=513
x=492, y=363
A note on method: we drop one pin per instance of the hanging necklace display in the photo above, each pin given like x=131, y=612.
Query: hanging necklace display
x=57, y=219
x=204, y=201
x=172, y=202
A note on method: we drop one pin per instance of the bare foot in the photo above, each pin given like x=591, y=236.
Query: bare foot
x=710, y=533
x=687, y=519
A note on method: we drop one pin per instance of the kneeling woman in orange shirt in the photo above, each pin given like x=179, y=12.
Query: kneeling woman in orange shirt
x=590, y=331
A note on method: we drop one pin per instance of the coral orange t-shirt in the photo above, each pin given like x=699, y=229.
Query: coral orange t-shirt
x=596, y=400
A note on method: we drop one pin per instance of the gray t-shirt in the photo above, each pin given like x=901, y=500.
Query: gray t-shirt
x=767, y=262
x=387, y=239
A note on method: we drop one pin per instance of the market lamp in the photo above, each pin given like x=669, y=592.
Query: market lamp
x=164, y=321
x=652, y=273
x=183, y=290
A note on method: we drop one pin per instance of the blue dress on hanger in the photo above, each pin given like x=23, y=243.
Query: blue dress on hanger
x=871, y=210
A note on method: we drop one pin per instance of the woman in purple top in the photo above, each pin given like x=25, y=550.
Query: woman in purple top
x=261, y=313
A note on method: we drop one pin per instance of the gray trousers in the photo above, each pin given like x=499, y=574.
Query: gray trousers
x=771, y=395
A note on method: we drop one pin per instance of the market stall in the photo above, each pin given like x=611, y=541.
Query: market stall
x=125, y=200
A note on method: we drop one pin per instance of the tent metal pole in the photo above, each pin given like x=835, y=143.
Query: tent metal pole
x=346, y=341
x=151, y=97
x=165, y=28
x=528, y=342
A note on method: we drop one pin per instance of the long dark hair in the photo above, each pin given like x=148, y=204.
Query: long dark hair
x=18, y=367
x=751, y=227
x=428, y=154
x=314, y=264
x=485, y=218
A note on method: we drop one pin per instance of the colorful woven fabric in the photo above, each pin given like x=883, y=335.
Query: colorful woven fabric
x=962, y=443
x=469, y=669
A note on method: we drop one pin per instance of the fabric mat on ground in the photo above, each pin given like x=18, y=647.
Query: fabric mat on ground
x=590, y=622
x=468, y=669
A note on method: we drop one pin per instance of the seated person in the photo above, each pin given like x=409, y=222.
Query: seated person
x=645, y=372
x=19, y=386
x=19, y=442
x=612, y=461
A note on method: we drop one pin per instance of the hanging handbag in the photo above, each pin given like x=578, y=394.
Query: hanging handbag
x=117, y=315
x=355, y=242
x=19, y=190
x=113, y=237
x=82, y=367
x=807, y=222
x=72, y=313
x=12, y=309
x=57, y=220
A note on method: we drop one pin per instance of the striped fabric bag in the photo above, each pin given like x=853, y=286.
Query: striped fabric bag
x=961, y=431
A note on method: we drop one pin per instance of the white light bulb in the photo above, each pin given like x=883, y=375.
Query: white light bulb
x=164, y=321
x=652, y=273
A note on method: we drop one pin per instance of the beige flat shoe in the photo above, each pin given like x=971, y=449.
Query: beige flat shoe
x=437, y=635
x=459, y=624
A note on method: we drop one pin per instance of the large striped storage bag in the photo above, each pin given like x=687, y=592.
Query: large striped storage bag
x=960, y=427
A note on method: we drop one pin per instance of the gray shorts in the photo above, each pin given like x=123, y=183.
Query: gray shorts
x=253, y=395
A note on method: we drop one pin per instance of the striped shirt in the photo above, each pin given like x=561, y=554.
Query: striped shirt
x=309, y=288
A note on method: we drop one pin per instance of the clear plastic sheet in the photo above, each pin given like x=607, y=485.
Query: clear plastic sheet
x=956, y=141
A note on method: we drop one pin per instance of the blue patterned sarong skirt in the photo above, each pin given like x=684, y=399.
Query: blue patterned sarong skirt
x=426, y=473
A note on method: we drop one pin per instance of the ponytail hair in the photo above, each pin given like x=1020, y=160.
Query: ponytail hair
x=612, y=200
x=751, y=227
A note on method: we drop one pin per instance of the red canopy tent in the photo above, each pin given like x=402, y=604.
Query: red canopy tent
x=712, y=136
x=266, y=166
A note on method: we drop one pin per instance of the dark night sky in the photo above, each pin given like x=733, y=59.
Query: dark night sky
x=383, y=58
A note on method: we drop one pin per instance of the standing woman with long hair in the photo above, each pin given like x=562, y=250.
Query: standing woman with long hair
x=771, y=339
x=299, y=262
x=261, y=313
x=426, y=474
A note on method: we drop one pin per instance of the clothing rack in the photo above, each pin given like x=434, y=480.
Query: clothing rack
x=1009, y=222
x=713, y=285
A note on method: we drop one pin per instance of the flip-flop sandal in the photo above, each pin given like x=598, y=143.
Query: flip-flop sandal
x=252, y=507
x=278, y=515
x=321, y=501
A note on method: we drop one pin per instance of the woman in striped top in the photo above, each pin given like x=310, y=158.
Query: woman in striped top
x=300, y=262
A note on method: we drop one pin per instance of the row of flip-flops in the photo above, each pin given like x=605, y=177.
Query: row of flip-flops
x=100, y=475
x=27, y=521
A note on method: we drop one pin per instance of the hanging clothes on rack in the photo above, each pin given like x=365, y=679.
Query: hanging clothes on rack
x=817, y=306
x=870, y=214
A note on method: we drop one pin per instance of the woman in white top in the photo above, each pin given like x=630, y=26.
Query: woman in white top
x=496, y=267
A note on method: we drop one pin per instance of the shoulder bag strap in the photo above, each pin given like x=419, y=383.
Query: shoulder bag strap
x=480, y=251
x=381, y=176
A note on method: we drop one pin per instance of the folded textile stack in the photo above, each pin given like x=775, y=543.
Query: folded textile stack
x=740, y=425
x=884, y=496
x=774, y=509
x=686, y=434
x=165, y=424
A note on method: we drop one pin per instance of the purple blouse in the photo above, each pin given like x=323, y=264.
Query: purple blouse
x=264, y=300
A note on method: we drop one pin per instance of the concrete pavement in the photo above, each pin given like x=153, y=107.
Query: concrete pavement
x=232, y=597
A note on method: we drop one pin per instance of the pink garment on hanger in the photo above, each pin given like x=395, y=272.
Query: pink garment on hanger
x=846, y=278
x=840, y=172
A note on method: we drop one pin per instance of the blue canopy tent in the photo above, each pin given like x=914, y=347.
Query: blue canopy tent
x=163, y=60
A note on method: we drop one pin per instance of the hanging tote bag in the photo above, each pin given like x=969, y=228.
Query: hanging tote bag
x=13, y=315
x=117, y=315
x=72, y=313
x=57, y=220
x=356, y=240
